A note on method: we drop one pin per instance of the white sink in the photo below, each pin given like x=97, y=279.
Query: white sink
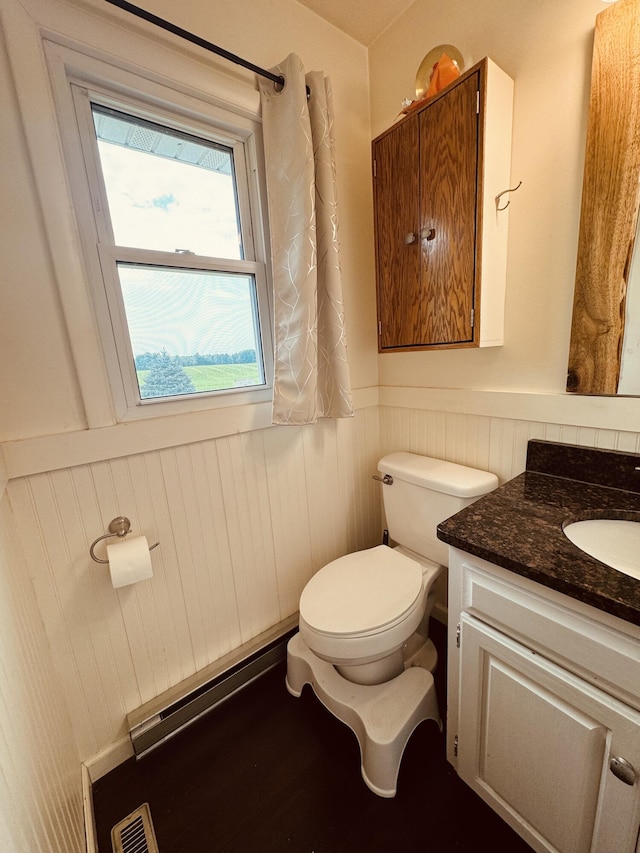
x=612, y=541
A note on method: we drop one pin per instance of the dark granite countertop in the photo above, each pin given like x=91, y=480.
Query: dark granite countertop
x=519, y=525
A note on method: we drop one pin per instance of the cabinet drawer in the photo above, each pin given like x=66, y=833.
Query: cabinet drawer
x=552, y=624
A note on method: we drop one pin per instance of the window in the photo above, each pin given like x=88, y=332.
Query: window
x=172, y=241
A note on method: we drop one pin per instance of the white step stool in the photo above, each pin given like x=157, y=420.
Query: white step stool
x=382, y=716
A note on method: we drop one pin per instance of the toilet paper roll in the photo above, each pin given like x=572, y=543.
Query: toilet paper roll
x=129, y=561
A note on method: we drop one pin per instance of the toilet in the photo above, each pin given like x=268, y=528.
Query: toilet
x=363, y=633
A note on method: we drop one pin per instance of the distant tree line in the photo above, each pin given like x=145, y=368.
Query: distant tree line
x=149, y=360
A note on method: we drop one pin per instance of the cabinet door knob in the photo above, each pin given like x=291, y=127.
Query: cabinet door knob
x=428, y=233
x=621, y=768
x=410, y=238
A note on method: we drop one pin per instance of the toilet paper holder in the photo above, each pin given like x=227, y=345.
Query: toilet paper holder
x=119, y=526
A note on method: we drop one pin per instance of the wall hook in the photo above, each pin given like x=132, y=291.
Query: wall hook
x=512, y=190
x=119, y=527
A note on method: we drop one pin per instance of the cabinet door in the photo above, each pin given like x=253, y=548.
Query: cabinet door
x=397, y=242
x=536, y=743
x=426, y=202
x=448, y=212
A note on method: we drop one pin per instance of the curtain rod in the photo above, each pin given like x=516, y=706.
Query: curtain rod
x=207, y=45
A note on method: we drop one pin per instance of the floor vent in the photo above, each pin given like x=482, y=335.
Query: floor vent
x=135, y=833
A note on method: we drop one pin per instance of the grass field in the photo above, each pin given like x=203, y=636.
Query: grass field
x=214, y=377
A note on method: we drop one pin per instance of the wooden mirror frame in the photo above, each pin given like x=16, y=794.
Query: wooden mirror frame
x=610, y=197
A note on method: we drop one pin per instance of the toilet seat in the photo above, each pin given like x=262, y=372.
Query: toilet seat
x=386, y=585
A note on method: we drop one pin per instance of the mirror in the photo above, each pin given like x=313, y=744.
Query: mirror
x=604, y=356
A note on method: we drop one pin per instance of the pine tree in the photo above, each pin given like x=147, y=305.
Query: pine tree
x=166, y=378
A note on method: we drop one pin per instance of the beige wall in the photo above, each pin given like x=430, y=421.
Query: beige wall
x=307, y=491
x=56, y=384
x=545, y=47
x=37, y=379
x=243, y=515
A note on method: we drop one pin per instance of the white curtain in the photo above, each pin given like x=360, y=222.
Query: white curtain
x=311, y=372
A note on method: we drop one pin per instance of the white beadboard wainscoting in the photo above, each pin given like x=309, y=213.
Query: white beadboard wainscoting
x=490, y=430
x=242, y=522
x=39, y=762
x=492, y=444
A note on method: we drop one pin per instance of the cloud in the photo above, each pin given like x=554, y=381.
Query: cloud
x=165, y=205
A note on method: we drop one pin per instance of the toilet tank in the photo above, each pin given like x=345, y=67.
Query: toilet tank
x=424, y=492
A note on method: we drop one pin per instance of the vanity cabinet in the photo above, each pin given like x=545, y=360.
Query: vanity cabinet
x=544, y=710
x=441, y=244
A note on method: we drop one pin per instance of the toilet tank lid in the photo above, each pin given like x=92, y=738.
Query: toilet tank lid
x=437, y=474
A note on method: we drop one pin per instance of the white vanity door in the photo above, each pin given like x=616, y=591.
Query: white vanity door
x=535, y=742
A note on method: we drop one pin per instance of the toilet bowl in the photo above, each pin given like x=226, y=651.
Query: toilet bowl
x=359, y=612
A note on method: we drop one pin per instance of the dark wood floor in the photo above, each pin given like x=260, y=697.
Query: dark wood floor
x=265, y=773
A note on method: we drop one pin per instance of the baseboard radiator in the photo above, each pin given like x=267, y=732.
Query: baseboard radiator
x=153, y=724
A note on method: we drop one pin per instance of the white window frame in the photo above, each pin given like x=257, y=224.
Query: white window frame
x=77, y=79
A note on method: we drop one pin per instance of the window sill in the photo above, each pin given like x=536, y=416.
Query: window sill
x=65, y=450
x=82, y=447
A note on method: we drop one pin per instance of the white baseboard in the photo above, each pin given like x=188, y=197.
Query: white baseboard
x=92, y=770
x=91, y=841
x=108, y=759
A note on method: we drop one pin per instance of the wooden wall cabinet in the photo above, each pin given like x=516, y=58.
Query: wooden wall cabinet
x=543, y=714
x=441, y=243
